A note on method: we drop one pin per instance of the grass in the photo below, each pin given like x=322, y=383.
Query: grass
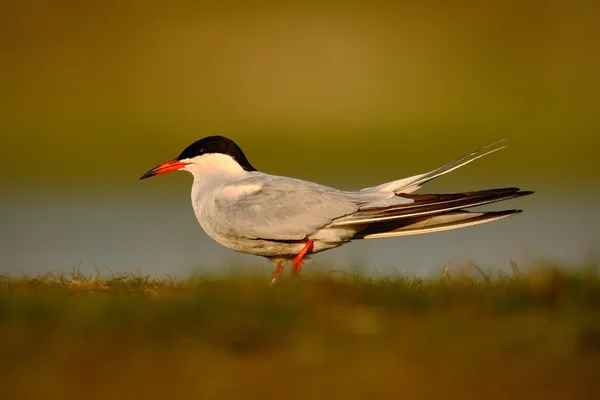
x=461, y=335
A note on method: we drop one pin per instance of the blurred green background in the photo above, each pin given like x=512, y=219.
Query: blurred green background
x=343, y=93
x=349, y=94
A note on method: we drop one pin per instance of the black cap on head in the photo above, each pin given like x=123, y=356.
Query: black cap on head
x=217, y=144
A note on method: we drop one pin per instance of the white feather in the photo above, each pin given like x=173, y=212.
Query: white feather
x=421, y=227
x=234, y=192
x=213, y=164
x=413, y=183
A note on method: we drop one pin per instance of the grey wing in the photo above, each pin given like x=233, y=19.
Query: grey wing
x=283, y=208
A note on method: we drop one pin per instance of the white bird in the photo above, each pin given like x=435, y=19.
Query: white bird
x=284, y=219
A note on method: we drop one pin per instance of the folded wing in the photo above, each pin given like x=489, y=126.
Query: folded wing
x=281, y=209
x=436, y=223
x=428, y=213
x=428, y=204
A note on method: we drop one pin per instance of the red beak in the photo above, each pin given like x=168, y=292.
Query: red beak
x=169, y=166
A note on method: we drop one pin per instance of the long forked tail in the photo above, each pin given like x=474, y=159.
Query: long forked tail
x=429, y=213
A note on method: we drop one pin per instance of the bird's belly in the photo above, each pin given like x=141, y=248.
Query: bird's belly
x=222, y=229
x=257, y=247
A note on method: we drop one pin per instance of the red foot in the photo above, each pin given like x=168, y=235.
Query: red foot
x=277, y=271
x=297, y=265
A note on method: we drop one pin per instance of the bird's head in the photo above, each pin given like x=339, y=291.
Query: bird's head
x=212, y=154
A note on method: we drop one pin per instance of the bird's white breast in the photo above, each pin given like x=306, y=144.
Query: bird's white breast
x=211, y=199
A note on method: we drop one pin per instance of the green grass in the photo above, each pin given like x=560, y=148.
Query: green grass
x=461, y=335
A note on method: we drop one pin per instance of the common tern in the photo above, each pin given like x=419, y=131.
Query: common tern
x=285, y=219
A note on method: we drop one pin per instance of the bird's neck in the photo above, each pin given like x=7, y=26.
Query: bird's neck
x=209, y=179
x=212, y=171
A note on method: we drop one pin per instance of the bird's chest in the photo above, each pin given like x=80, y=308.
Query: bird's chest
x=215, y=217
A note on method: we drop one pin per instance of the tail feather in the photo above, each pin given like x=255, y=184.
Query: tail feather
x=427, y=213
x=429, y=204
x=436, y=223
x=413, y=183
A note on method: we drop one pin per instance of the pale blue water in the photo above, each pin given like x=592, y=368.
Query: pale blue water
x=161, y=236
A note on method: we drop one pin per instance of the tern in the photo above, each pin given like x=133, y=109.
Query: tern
x=286, y=219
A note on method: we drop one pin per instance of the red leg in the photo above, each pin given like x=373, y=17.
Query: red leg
x=297, y=265
x=277, y=271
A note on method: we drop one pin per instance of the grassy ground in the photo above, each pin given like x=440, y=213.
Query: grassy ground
x=457, y=336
